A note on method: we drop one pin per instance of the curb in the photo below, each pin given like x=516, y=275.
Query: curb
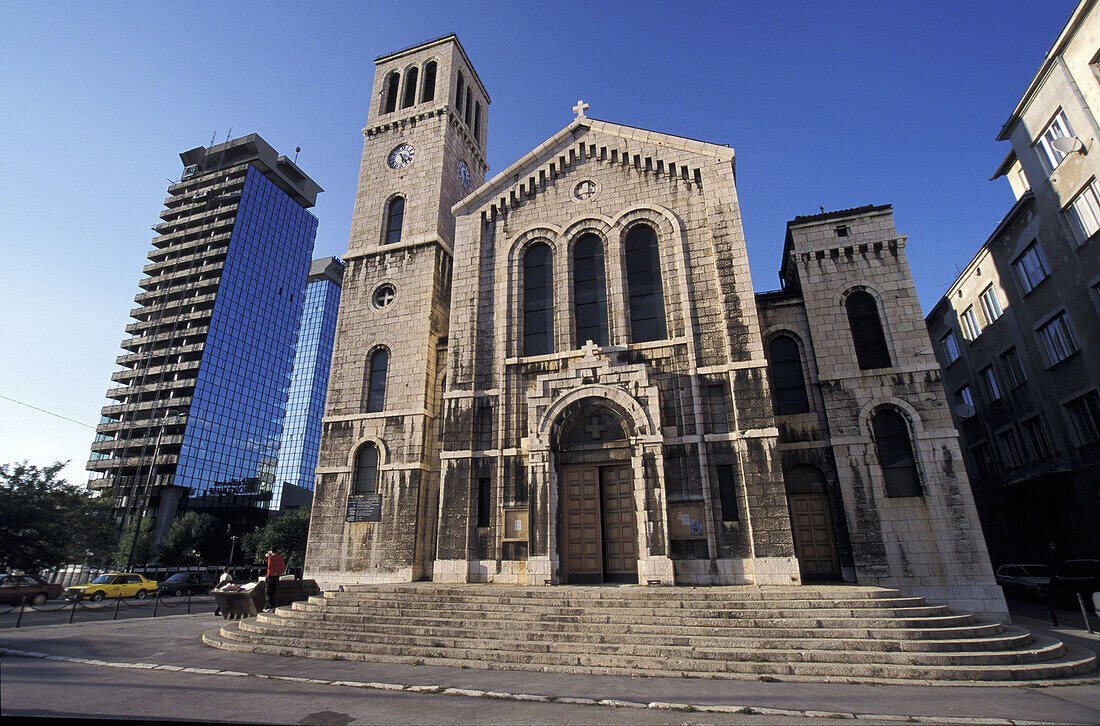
x=530, y=697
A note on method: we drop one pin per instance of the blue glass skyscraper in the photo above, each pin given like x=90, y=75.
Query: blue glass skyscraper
x=305, y=406
x=203, y=388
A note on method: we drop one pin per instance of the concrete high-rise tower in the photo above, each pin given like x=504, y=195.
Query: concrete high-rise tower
x=203, y=385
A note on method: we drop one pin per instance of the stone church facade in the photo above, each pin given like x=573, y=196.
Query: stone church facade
x=563, y=375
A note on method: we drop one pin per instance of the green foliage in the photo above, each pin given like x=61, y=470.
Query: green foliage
x=191, y=539
x=286, y=534
x=143, y=550
x=46, y=522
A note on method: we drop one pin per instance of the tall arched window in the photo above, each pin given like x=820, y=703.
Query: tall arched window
x=395, y=219
x=366, y=470
x=895, y=454
x=538, y=300
x=643, y=280
x=459, y=93
x=788, y=385
x=427, y=91
x=390, y=100
x=469, y=106
x=867, y=334
x=410, y=88
x=589, y=291
x=477, y=120
x=376, y=380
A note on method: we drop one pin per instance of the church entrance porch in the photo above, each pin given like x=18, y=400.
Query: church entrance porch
x=599, y=540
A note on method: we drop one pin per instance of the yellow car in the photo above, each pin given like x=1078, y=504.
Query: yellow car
x=112, y=584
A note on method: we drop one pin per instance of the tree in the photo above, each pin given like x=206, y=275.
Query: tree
x=192, y=538
x=286, y=534
x=142, y=551
x=47, y=522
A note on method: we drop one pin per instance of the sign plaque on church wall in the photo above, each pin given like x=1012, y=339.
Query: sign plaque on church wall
x=364, y=508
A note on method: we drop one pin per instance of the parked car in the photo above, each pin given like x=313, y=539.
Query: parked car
x=1024, y=580
x=182, y=583
x=112, y=584
x=13, y=588
x=1075, y=576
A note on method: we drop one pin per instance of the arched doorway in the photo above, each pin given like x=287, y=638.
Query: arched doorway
x=812, y=523
x=598, y=534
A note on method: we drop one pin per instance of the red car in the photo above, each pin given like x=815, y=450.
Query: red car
x=13, y=588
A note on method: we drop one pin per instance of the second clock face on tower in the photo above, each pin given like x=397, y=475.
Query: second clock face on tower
x=463, y=174
x=401, y=157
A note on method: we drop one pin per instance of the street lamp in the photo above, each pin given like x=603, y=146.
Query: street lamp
x=232, y=547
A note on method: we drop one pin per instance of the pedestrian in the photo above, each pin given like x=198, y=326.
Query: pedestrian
x=275, y=567
x=226, y=576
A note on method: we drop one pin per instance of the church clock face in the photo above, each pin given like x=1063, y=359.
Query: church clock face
x=401, y=157
x=464, y=174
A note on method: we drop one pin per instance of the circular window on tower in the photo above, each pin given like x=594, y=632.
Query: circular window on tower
x=383, y=295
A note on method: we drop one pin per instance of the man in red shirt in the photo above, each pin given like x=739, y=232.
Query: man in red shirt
x=275, y=567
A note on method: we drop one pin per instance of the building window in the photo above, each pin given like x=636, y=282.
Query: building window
x=991, y=306
x=788, y=385
x=1040, y=447
x=984, y=461
x=965, y=396
x=366, y=469
x=395, y=219
x=727, y=493
x=538, y=300
x=467, y=115
x=842, y=230
x=376, y=380
x=477, y=120
x=895, y=454
x=458, y=93
x=950, y=346
x=589, y=291
x=484, y=499
x=989, y=378
x=1009, y=444
x=391, y=86
x=410, y=88
x=427, y=92
x=867, y=333
x=969, y=322
x=643, y=279
x=1084, y=213
x=1013, y=370
x=1044, y=147
x=1031, y=268
x=1056, y=339
x=1084, y=412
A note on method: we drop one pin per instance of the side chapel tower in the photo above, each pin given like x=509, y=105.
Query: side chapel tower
x=375, y=506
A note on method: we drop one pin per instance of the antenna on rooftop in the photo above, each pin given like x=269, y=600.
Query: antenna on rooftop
x=228, y=133
x=213, y=136
x=297, y=149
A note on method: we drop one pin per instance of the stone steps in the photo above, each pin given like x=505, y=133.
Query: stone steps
x=799, y=632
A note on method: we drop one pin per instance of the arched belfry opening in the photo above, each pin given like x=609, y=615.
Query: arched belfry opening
x=597, y=518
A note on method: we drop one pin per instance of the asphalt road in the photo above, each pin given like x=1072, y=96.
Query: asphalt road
x=57, y=612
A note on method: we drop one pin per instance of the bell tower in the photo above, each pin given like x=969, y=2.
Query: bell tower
x=376, y=498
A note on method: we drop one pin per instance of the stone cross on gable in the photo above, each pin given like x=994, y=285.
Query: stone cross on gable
x=580, y=108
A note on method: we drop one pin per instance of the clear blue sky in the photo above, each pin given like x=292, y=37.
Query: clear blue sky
x=833, y=104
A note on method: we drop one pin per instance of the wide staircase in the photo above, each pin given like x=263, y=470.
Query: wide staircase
x=813, y=633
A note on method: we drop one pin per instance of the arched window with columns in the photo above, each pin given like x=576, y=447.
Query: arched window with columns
x=366, y=470
x=389, y=103
x=788, y=383
x=589, y=291
x=410, y=88
x=427, y=90
x=643, y=279
x=867, y=333
x=538, y=300
x=395, y=220
x=375, y=390
x=894, y=445
x=459, y=94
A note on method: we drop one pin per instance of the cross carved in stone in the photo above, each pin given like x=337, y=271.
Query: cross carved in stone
x=580, y=108
x=595, y=427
